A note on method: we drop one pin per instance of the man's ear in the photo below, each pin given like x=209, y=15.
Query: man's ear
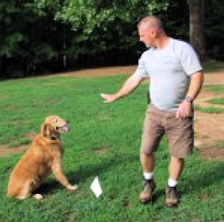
x=153, y=33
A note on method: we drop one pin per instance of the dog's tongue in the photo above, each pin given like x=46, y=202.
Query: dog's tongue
x=65, y=128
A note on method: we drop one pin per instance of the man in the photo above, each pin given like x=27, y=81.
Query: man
x=176, y=78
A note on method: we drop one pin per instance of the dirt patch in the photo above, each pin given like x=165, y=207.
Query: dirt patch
x=209, y=128
x=100, y=152
x=30, y=136
x=99, y=72
x=204, y=98
x=208, y=153
x=214, y=78
x=6, y=150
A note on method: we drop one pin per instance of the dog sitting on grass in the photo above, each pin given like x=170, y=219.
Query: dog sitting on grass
x=42, y=158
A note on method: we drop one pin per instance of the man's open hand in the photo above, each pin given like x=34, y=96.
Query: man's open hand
x=108, y=98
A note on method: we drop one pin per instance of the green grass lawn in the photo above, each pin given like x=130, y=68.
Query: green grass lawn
x=104, y=141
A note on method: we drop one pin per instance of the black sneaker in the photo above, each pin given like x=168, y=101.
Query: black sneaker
x=172, y=197
x=146, y=195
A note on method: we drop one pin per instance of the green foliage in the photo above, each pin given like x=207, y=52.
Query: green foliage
x=10, y=38
x=99, y=13
x=52, y=35
x=11, y=44
x=27, y=38
x=101, y=26
x=104, y=141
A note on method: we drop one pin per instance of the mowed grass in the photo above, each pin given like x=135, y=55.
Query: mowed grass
x=104, y=141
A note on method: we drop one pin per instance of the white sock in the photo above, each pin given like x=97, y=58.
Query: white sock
x=148, y=175
x=172, y=183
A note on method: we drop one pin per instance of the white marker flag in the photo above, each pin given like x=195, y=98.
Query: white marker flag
x=96, y=188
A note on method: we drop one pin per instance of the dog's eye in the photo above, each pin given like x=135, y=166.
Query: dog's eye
x=55, y=120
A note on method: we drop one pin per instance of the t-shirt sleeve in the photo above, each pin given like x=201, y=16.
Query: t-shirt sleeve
x=189, y=60
x=141, y=69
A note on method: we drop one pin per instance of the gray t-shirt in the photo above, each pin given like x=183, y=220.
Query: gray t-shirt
x=169, y=70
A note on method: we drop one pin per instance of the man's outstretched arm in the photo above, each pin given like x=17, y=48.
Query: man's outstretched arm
x=131, y=83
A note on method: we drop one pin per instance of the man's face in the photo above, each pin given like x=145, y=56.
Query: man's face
x=146, y=35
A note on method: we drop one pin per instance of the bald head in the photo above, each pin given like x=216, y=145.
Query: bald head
x=151, y=22
x=151, y=32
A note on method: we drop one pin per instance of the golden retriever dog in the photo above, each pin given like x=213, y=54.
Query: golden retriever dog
x=43, y=157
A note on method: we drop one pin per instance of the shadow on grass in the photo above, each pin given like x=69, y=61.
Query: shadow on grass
x=213, y=66
x=204, y=179
x=158, y=193
x=85, y=172
x=197, y=181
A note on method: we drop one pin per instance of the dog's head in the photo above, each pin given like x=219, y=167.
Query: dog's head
x=52, y=126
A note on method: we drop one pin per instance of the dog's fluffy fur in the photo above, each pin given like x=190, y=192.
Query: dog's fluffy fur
x=42, y=158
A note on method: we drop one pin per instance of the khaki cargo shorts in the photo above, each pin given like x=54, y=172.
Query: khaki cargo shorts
x=179, y=132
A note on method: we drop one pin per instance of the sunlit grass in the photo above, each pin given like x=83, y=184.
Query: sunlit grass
x=104, y=141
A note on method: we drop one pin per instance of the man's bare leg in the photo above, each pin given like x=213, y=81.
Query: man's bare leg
x=148, y=163
x=175, y=170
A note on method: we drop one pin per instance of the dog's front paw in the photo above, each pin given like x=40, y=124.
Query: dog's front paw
x=72, y=187
x=38, y=196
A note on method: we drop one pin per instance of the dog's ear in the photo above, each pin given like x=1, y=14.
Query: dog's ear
x=46, y=130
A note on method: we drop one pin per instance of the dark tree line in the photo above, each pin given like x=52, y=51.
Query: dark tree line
x=43, y=36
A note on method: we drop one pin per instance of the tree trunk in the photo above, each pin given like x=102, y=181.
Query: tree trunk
x=197, y=27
